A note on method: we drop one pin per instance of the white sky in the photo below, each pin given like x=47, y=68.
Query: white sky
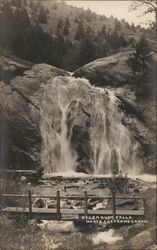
x=119, y=9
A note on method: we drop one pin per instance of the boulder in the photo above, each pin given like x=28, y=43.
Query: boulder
x=112, y=70
x=153, y=247
x=11, y=66
x=39, y=203
x=20, y=116
x=143, y=239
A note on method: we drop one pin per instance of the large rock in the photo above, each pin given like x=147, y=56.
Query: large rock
x=141, y=120
x=136, y=95
x=144, y=239
x=79, y=120
x=112, y=70
x=20, y=116
x=11, y=66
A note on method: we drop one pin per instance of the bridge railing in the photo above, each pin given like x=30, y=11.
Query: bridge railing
x=58, y=197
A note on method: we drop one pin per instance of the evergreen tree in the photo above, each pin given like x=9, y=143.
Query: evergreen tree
x=117, y=24
x=79, y=32
x=67, y=22
x=139, y=62
x=88, y=32
x=114, y=40
x=61, y=48
x=66, y=27
x=103, y=32
x=88, y=15
x=133, y=26
x=86, y=51
x=42, y=15
x=59, y=25
x=122, y=41
x=16, y=3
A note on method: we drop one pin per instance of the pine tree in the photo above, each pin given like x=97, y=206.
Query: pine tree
x=114, y=40
x=42, y=15
x=59, y=24
x=86, y=51
x=139, y=62
x=16, y=3
x=103, y=32
x=79, y=32
x=66, y=27
x=122, y=41
x=117, y=24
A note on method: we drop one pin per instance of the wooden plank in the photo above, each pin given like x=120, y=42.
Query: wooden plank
x=21, y=171
x=85, y=204
x=72, y=211
x=58, y=206
x=30, y=203
x=72, y=197
x=113, y=205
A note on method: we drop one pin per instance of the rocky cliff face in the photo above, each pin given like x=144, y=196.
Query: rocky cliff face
x=20, y=116
x=20, y=112
x=109, y=71
x=136, y=94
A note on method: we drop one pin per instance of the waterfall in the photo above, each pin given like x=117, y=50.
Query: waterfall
x=81, y=128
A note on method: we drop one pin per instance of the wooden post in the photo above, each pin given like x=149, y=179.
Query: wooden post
x=58, y=206
x=114, y=205
x=85, y=204
x=144, y=205
x=30, y=203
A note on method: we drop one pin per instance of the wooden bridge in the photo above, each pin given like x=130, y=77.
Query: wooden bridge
x=70, y=214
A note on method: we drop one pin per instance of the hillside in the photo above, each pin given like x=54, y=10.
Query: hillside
x=66, y=36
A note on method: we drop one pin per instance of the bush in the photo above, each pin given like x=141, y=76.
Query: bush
x=19, y=235
x=76, y=241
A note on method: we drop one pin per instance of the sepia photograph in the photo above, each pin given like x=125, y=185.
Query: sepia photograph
x=78, y=124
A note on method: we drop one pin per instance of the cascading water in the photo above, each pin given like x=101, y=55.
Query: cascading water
x=81, y=124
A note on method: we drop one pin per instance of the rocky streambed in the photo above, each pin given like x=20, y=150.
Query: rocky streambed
x=95, y=186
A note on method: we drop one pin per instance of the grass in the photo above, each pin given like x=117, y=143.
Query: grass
x=10, y=186
x=19, y=236
x=28, y=236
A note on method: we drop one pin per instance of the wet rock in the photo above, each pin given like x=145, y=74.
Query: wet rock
x=140, y=109
x=20, y=116
x=11, y=66
x=79, y=119
x=39, y=203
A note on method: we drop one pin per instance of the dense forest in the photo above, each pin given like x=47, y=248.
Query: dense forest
x=61, y=35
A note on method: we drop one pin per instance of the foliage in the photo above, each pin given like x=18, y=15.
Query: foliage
x=76, y=241
x=27, y=235
x=86, y=51
x=117, y=24
x=25, y=31
x=42, y=15
x=139, y=62
x=150, y=7
x=19, y=235
x=79, y=32
x=66, y=27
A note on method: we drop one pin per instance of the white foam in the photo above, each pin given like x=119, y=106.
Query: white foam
x=57, y=226
x=107, y=237
x=145, y=177
x=71, y=174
